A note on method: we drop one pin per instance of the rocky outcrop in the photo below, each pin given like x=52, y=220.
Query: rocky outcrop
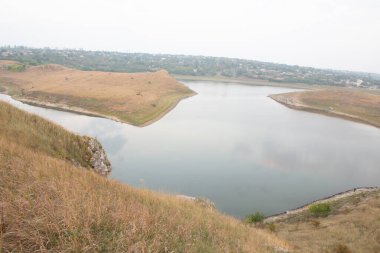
x=98, y=160
x=202, y=201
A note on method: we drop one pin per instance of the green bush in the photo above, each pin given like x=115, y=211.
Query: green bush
x=322, y=209
x=16, y=67
x=254, y=218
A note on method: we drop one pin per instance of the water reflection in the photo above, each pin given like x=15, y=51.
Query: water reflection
x=234, y=145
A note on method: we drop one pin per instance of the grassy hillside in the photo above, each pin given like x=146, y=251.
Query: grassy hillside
x=358, y=105
x=136, y=98
x=37, y=134
x=351, y=225
x=49, y=205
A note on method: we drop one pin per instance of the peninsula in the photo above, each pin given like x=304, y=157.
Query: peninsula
x=357, y=105
x=134, y=98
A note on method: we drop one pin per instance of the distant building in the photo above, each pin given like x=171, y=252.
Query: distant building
x=359, y=82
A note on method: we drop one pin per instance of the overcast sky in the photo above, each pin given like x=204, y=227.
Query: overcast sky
x=339, y=34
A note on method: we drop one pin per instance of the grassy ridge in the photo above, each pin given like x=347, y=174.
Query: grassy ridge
x=49, y=205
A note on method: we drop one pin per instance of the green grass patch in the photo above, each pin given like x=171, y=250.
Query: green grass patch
x=16, y=67
x=255, y=218
x=321, y=210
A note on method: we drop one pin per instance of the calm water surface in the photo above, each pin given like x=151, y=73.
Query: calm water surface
x=237, y=147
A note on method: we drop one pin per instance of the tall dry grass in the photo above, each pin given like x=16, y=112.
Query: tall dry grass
x=42, y=135
x=49, y=205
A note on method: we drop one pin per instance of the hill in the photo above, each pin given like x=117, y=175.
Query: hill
x=49, y=204
x=358, y=105
x=135, y=98
x=190, y=67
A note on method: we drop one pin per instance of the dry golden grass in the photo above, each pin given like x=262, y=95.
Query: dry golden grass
x=358, y=105
x=352, y=226
x=49, y=205
x=39, y=134
x=136, y=98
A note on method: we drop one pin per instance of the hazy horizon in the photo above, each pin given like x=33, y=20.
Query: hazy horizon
x=337, y=34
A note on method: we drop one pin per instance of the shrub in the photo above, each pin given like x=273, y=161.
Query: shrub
x=321, y=209
x=341, y=248
x=255, y=218
x=16, y=67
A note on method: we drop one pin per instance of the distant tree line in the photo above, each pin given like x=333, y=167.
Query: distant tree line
x=188, y=65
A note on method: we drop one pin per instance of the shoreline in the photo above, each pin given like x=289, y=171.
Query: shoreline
x=302, y=107
x=81, y=111
x=254, y=82
x=169, y=109
x=63, y=108
x=300, y=209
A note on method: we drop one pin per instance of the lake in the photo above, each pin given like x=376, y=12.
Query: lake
x=237, y=147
